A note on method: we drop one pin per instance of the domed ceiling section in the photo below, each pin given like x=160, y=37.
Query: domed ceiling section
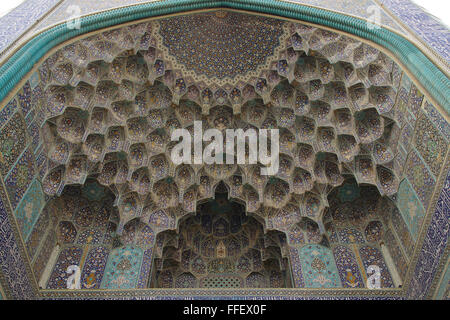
x=221, y=47
x=113, y=99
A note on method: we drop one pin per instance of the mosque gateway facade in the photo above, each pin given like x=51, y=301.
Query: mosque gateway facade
x=225, y=149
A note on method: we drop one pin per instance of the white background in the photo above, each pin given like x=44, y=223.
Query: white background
x=438, y=8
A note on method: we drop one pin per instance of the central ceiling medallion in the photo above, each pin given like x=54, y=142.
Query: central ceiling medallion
x=221, y=47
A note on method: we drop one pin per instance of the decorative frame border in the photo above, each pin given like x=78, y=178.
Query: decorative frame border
x=433, y=80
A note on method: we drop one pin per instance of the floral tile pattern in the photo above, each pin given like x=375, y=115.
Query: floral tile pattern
x=348, y=267
x=420, y=177
x=371, y=255
x=430, y=144
x=13, y=140
x=29, y=208
x=410, y=207
x=94, y=267
x=20, y=177
x=122, y=269
x=319, y=268
x=67, y=257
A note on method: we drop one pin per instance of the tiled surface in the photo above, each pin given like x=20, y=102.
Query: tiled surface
x=19, y=174
x=432, y=31
x=30, y=208
x=16, y=22
x=12, y=264
x=434, y=244
x=410, y=207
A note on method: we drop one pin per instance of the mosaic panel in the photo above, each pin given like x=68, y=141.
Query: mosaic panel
x=122, y=269
x=34, y=133
x=13, y=140
x=91, y=236
x=6, y=113
x=67, y=257
x=296, y=268
x=94, y=268
x=20, y=177
x=319, y=268
x=29, y=208
x=374, y=231
x=372, y=256
x=433, y=246
x=186, y=280
x=11, y=263
x=350, y=235
x=222, y=282
x=430, y=144
x=144, y=274
x=415, y=101
x=419, y=176
x=66, y=232
x=24, y=97
x=437, y=119
x=410, y=207
x=220, y=37
x=348, y=267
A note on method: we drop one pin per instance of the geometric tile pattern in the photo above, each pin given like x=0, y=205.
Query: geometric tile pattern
x=262, y=39
x=36, y=236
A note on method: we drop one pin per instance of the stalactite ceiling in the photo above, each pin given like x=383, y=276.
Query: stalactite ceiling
x=112, y=100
